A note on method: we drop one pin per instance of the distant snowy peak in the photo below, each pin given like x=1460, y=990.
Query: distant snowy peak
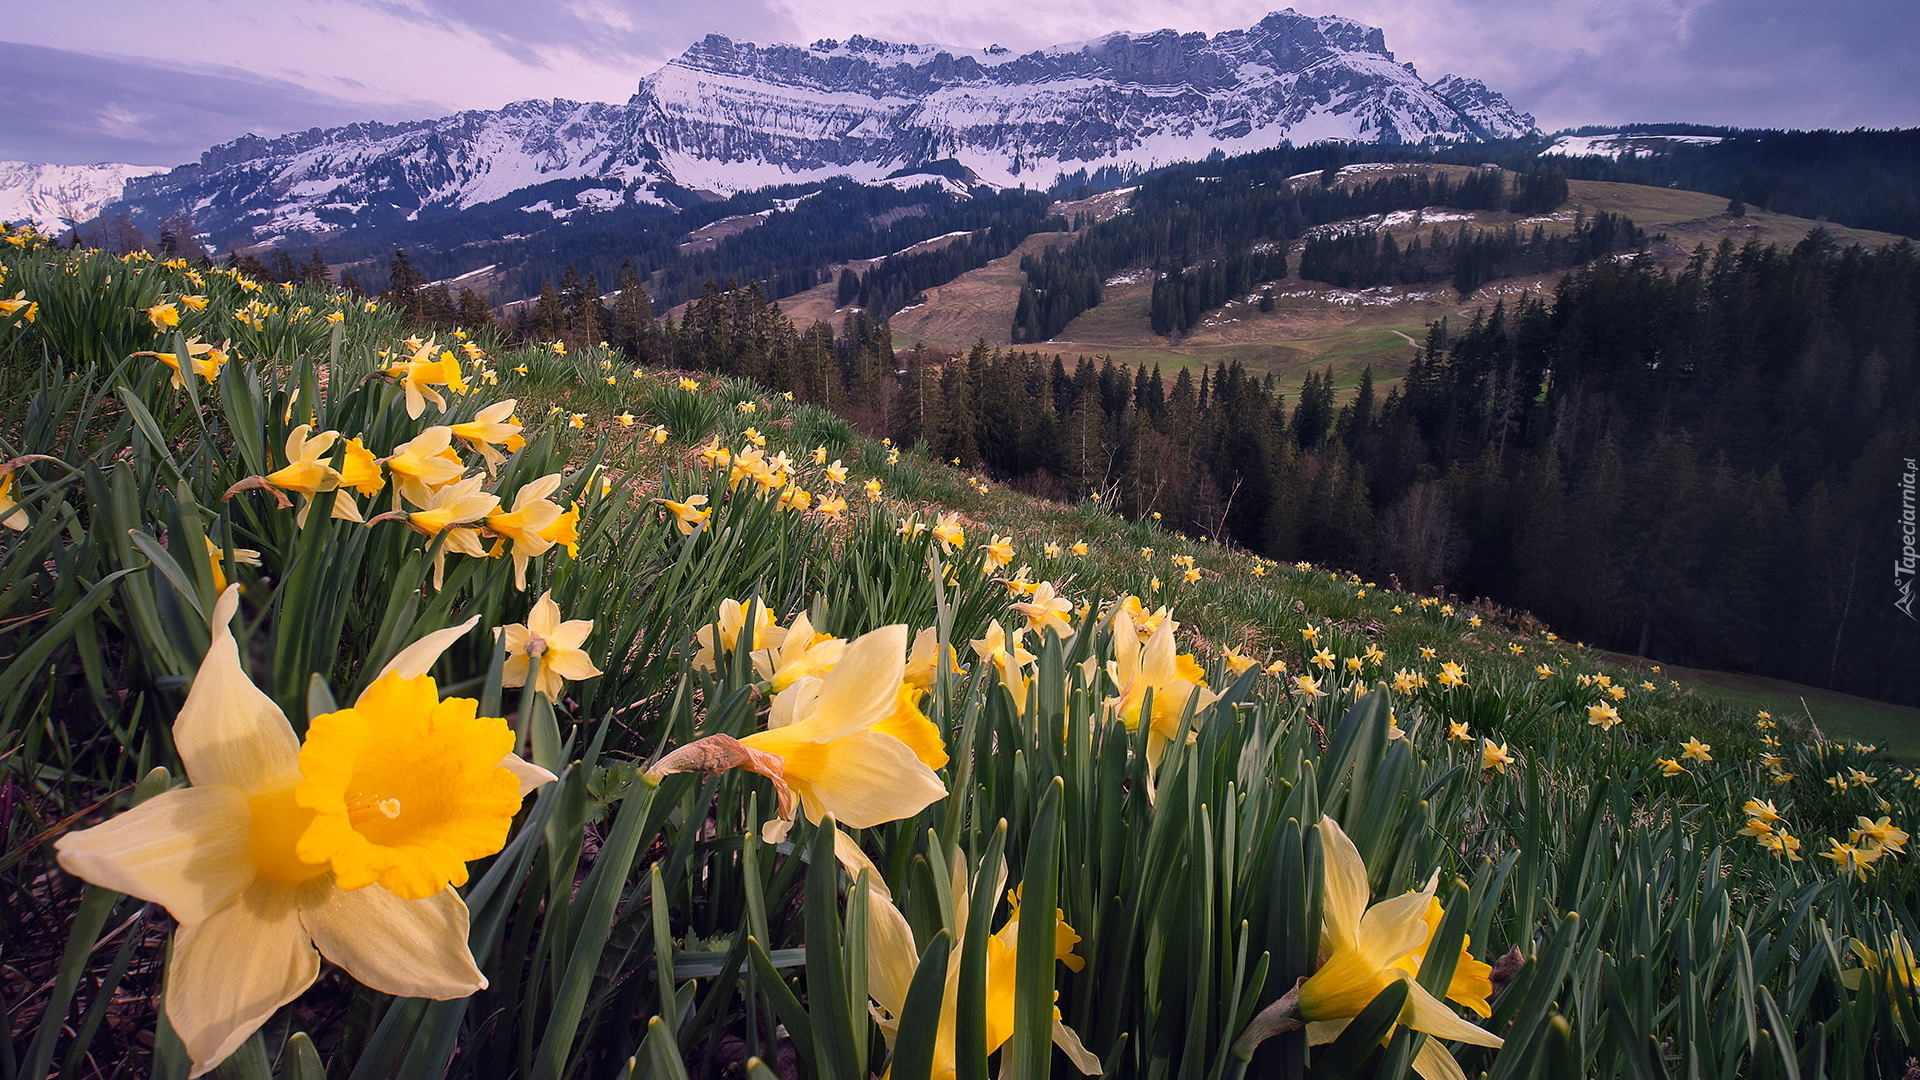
x=729, y=116
x=1489, y=112
x=724, y=110
x=48, y=195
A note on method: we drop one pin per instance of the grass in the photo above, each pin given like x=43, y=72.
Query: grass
x=1895, y=729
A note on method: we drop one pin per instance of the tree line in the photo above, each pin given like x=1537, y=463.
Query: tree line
x=1468, y=258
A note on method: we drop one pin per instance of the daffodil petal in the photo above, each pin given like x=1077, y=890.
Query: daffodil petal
x=861, y=689
x=1322, y=1032
x=530, y=775
x=1346, y=890
x=862, y=778
x=228, y=732
x=794, y=702
x=1069, y=1043
x=1393, y=928
x=231, y=971
x=417, y=659
x=568, y=663
x=1433, y=1062
x=1157, y=663
x=1427, y=1013
x=407, y=948
x=891, y=956
x=189, y=850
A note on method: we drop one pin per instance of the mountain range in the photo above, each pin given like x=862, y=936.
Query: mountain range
x=729, y=116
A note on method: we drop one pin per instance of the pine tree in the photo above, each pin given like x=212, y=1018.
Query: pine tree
x=403, y=281
x=632, y=326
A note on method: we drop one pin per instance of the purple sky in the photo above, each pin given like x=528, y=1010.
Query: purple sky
x=157, y=81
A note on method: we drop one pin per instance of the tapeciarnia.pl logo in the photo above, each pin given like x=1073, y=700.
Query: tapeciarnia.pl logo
x=1905, y=565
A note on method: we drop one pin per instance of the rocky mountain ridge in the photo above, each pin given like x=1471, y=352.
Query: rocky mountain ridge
x=730, y=116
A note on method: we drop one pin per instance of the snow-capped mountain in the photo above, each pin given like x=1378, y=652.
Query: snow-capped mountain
x=48, y=195
x=729, y=116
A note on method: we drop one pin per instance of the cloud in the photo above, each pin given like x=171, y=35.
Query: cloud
x=74, y=108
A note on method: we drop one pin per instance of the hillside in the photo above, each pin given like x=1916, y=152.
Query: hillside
x=1313, y=325
x=751, y=708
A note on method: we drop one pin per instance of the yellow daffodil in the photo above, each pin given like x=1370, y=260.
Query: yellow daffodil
x=687, y=515
x=873, y=491
x=1670, y=766
x=1426, y=652
x=1079, y=547
x=948, y=531
x=831, y=507
x=1896, y=968
x=1782, y=843
x=1695, y=750
x=492, y=425
x=893, y=958
x=205, y=359
x=1543, y=671
x=1175, y=681
x=421, y=372
x=999, y=552
x=1237, y=664
x=345, y=845
x=823, y=749
x=21, y=306
x=659, y=434
x=216, y=557
x=305, y=473
x=164, y=316
x=795, y=500
x=1495, y=757
x=1451, y=675
x=423, y=463
x=1003, y=650
x=556, y=643
x=1763, y=811
x=449, y=513
x=1323, y=658
x=524, y=523
x=1603, y=716
x=1047, y=610
x=1883, y=834
x=577, y=420
x=688, y=384
x=1457, y=731
x=731, y=621
x=1051, y=551
x=1850, y=859
x=1368, y=948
